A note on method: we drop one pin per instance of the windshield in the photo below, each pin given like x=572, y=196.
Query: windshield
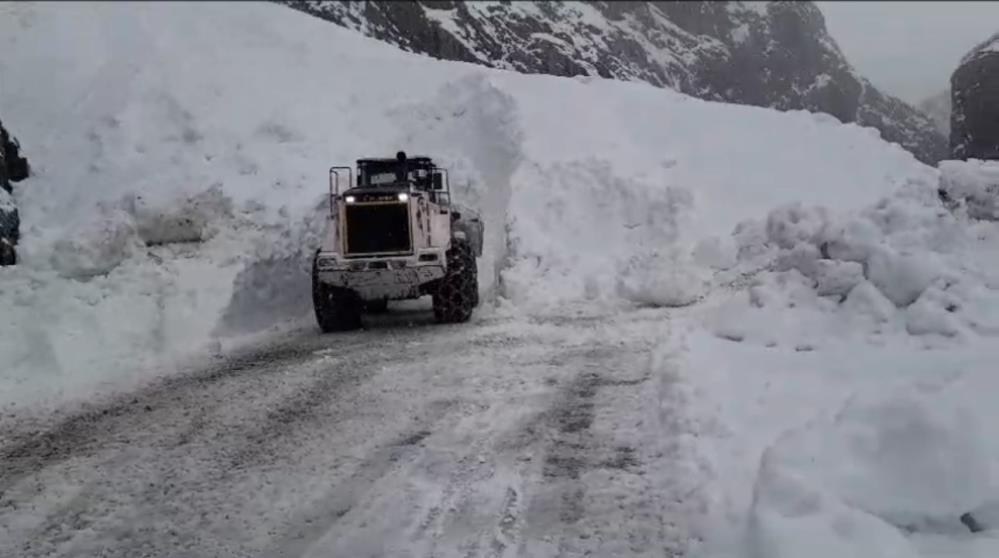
x=375, y=179
x=420, y=177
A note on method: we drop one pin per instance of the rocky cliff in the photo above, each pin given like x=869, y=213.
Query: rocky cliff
x=773, y=54
x=13, y=168
x=974, y=85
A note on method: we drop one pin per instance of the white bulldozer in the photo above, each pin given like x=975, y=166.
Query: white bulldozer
x=394, y=234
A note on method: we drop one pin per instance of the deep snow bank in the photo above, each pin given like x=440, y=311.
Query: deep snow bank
x=886, y=468
x=590, y=189
x=911, y=263
x=845, y=380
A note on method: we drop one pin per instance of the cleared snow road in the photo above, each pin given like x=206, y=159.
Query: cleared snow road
x=503, y=437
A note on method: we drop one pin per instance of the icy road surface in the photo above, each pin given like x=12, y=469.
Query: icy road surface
x=501, y=437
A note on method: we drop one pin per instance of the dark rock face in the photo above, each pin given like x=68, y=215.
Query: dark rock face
x=773, y=54
x=974, y=123
x=13, y=168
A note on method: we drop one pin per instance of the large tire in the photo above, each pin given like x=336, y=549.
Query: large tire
x=457, y=292
x=337, y=309
x=379, y=306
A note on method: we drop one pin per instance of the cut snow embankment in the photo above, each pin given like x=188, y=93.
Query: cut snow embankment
x=590, y=189
x=848, y=388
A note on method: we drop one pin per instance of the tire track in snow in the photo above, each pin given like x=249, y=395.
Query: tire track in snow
x=91, y=430
x=503, y=438
x=183, y=427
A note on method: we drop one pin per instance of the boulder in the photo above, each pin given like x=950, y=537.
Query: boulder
x=975, y=103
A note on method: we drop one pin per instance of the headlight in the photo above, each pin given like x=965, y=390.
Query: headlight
x=325, y=262
x=403, y=197
x=350, y=199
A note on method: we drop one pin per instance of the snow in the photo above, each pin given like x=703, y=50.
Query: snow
x=856, y=421
x=832, y=318
x=6, y=201
x=760, y=9
x=740, y=33
x=986, y=48
x=446, y=19
x=975, y=184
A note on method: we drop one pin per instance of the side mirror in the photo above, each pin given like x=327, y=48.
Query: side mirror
x=438, y=181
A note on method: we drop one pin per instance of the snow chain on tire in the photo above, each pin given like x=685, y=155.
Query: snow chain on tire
x=457, y=292
x=337, y=309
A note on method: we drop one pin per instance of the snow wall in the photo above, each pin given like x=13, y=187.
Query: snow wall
x=181, y=153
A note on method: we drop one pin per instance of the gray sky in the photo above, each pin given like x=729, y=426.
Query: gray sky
x=909, y=49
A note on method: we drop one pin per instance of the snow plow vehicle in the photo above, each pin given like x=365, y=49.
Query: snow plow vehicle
x=394, y=234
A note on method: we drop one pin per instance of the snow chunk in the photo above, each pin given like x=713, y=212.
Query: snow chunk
x=802, y=257
x=193, y=219
x=866, y=300
x=96, y=247
x=902, y=277
x=739, y=33
x=847, y=483
x=932, y=313
x=792, y=518
x=837, y=277
x=853, y=241
x=976, y=183
x=662, y=281
x=793, y=223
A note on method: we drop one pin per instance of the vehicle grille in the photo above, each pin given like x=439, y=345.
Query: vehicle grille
x=377, y=228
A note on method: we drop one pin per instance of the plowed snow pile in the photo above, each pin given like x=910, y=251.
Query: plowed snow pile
x=849, y=388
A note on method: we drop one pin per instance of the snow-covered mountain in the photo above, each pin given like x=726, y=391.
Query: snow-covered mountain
x=772, y=54
x=975, y=85
x=938, y=109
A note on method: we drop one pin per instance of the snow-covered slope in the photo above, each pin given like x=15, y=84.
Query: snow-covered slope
x=772, y=54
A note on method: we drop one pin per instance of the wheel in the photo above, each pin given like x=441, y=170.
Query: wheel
x=337, y=309
x=379, y=306
x=456, y=294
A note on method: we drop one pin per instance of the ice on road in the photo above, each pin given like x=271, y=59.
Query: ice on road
x=509, y=436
